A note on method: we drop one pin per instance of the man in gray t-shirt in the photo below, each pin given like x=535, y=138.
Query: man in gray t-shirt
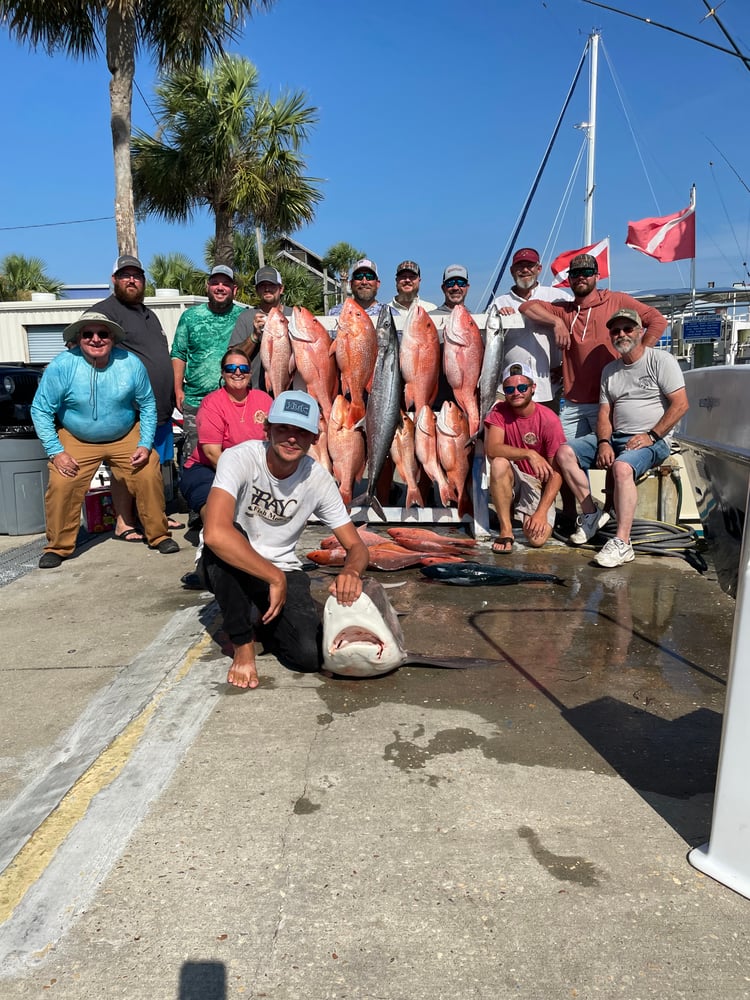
x=642, y=398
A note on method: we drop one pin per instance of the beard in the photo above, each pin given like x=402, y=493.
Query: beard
x=526, y=283
x=624, y=345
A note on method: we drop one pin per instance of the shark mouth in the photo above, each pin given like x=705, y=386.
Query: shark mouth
x=356, y=635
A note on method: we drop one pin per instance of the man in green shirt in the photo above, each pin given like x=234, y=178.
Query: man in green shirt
x=200, y=340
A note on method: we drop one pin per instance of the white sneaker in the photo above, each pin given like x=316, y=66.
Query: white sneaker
x=615, y=553
x=588, y=525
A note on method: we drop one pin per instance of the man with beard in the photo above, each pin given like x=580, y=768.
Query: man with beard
x=408, y=280
x=520, y=441
x=364, y=283
x=533, y=344
x=248, y=330
x=642, y=397
x=200, y=340
x=580, y=330
x=145, y=338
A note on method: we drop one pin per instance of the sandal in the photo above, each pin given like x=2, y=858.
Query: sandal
x=174, y=525
x=503, y=545
x=127, y=536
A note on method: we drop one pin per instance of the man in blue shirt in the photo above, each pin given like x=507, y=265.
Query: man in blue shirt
x=94, y=404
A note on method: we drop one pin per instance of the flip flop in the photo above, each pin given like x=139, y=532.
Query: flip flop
x=127, y=536
x=174, y=525
x=504, y=541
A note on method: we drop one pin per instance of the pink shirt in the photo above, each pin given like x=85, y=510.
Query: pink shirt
x=541, y=431
x=220, y=420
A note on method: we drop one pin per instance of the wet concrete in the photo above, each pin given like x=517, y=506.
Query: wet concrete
x=519, y=829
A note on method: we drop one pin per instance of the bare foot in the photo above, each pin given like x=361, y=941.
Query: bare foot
x=242, y=673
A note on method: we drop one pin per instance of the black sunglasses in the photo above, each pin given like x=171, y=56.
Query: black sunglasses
x=452, y=282
x=510, y=389
x=364, y=276
x=231, y=369
x=582, y=272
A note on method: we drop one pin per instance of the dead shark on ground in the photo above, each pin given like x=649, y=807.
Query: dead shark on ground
x=365, y=639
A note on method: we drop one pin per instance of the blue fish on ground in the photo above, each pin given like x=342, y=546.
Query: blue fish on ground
x=484, y=575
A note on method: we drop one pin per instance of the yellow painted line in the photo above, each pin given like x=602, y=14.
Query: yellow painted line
x=34, y=857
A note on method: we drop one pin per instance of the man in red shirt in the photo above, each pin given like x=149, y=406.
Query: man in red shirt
x=521, y=441
x=580, y=330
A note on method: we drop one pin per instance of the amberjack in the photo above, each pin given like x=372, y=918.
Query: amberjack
x=365, y=639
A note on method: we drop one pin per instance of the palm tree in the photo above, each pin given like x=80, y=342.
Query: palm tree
x=223, y=145
x=20, y=276
x=173, y=32
x=338, y=259
x=175, y=270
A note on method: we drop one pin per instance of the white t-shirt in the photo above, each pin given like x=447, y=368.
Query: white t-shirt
x=637, y=392
x=532, y=345
x=273, y=512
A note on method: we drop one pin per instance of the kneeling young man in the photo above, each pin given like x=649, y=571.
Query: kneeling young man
x=642, y=397
x=520, y=442
x=262, y=496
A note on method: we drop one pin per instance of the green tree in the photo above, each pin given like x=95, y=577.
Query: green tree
x=173, y=32
x=223, y=145
x=20, y=276
x=338, y=259
x=175, y=270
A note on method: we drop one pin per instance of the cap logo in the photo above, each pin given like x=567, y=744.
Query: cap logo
x=297, y=406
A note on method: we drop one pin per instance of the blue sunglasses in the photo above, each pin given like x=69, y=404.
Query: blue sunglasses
x=231, y=369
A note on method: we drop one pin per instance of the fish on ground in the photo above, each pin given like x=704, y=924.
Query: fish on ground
x=387, y=556
x=312, y=356
x=365, y=639
x=484, y=575
x=368, y=537
x=494, y=349
x=463, y=351
x=434, y=536
x=454, y=452
x=425, y=446
x=404, y=458
x=276, y=354
x=346, y=445
x=383, y=407
x=420, y=358
x=355, y=347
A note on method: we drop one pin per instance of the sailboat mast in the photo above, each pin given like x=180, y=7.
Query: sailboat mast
x=588, y=216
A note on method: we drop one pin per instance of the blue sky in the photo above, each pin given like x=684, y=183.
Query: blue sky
x=434, y=117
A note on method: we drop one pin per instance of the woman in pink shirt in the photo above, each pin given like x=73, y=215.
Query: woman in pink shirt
x=231, y=414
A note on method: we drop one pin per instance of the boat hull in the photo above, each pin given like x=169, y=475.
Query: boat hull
x=715, y=438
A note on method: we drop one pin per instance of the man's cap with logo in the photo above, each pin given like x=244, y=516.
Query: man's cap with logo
x=629, y=314
x=409, y=265
x=126, y=260
x=268, y=274
x=583, y=260
x=518, y=369
x=296, y=408
x=93, y=318
x=525, y=254
x=365, y=264
x=455, y=271
x=223, y=269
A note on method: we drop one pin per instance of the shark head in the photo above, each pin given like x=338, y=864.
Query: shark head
x=364, y=639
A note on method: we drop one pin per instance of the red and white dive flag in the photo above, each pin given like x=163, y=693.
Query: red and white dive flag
x=560, y=264
x=672, y=237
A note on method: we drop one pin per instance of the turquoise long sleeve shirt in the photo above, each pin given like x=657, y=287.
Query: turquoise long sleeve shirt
x=94, y=404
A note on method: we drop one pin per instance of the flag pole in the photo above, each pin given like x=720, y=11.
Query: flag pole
x=692, y=262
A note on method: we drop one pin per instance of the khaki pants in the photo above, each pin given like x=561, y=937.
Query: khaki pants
x=65, y=494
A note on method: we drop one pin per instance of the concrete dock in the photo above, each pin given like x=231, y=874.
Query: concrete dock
x=518, y=830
